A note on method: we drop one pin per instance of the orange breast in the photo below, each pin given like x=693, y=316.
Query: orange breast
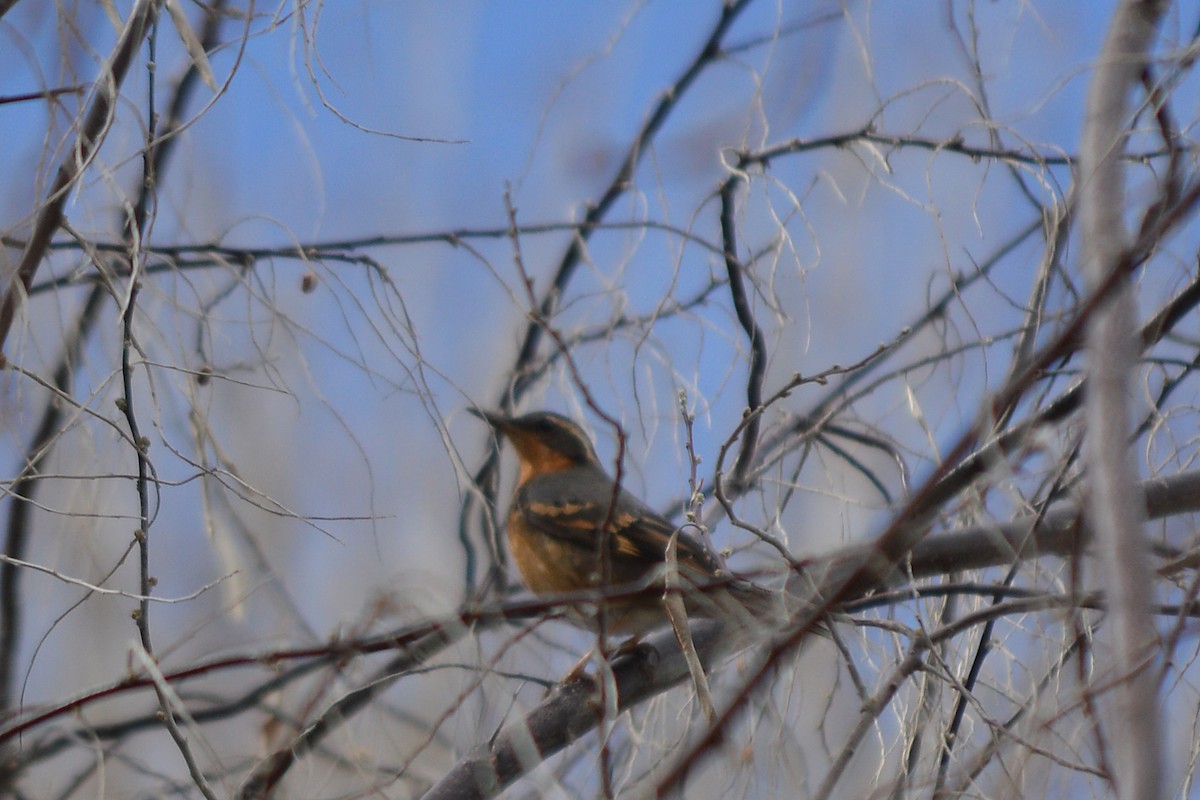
x=547, y=566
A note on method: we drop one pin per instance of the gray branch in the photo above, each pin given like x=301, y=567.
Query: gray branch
x=573, y=709
x=1115, y=511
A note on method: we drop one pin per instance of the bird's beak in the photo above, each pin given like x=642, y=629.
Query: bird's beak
x=498, y=421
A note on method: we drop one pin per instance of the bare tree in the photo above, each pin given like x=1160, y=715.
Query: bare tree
x=892, y=306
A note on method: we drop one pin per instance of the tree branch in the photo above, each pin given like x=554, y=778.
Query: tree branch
x=1115, y=510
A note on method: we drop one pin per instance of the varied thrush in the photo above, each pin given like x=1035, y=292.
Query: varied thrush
x=564, y=497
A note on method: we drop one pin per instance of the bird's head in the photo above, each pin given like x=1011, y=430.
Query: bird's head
x=544, y=441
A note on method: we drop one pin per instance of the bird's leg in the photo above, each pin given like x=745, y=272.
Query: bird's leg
x=624, y=648
x=580, y=668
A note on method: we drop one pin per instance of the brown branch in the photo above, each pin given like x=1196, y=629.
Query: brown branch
x=24, y=491
x=567, y=714
x=26, y=487
x=270, y=771
x=745, y=315
x=911, y=523
x=97, y=121
x=621, y=182
x=45, y=94
x=949, y=144
x=522, y=376
x=1058, y=532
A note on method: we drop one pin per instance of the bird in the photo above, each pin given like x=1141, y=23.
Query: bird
x=566, y=508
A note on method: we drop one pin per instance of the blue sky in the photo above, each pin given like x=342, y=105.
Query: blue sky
x=544, y=97
x=347, y=402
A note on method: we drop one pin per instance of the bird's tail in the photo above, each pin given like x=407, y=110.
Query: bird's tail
x=740, y=602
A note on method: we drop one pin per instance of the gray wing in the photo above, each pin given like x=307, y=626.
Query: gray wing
x=571, y=505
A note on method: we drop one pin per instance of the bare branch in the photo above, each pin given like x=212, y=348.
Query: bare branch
x=1115, y=509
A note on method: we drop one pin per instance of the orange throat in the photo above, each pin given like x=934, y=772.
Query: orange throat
x=537, y=458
